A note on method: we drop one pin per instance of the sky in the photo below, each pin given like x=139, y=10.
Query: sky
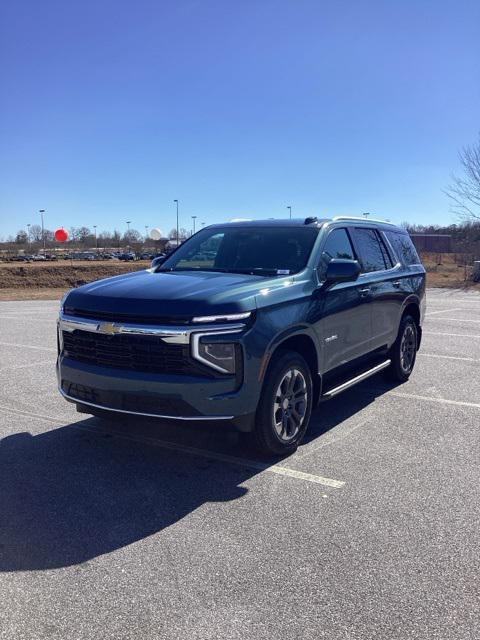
x=110, y=110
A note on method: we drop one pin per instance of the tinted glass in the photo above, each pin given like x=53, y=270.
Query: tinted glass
x=337, y=245
x=256, y=250
x=403, y=247
x=371, y=252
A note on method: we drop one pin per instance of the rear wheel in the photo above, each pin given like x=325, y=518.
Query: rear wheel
x=404, y=352
x=285, y=405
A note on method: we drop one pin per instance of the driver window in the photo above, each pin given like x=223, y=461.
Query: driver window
x=337, y=245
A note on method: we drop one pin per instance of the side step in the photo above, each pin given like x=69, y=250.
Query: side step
x=353, y=381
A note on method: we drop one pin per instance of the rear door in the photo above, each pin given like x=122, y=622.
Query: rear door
x=344, y=329
x=382, y=283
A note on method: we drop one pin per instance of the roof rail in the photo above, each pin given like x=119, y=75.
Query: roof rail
x=311, y=220
x=363, y=219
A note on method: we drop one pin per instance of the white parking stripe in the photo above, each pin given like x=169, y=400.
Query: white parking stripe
x=414, y=396
x=454, y=335
x=27, y=346
x=457, y=320
x=439, y=355
x=432, y=313
x=202, y=453
x=28, y=364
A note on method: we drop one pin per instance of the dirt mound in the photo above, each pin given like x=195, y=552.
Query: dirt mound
x=61, y=275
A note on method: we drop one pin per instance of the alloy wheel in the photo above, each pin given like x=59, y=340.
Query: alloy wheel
x=408, y=348
x=290, y=405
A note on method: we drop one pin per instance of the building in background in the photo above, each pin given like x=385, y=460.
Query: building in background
x=434, y=242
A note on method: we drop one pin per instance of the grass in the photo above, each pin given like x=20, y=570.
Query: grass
x=49, y=280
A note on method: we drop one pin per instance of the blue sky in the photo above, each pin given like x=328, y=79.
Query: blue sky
x=112, y=109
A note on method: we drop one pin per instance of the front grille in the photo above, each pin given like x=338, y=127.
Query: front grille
x=127, y=317
x=149, y=354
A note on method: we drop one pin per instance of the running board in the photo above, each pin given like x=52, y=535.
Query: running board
x=353, y=381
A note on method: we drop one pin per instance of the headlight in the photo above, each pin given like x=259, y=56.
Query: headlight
x=218, y=355
x=62, y=301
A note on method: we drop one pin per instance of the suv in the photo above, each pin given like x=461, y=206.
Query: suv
x=251, y=322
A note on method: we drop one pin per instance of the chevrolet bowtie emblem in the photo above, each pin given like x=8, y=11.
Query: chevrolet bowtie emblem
x=109, y=328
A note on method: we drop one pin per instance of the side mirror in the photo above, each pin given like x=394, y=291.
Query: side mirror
x=341, y=270
x=156, y=262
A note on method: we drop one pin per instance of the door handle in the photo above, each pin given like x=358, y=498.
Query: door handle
x=397, y=283
x=364, y=292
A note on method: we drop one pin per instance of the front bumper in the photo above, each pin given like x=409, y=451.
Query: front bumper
x=159, y=395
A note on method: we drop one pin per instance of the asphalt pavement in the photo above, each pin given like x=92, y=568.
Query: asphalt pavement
x=371, y=530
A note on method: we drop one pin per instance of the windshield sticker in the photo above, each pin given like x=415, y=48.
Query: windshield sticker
x=283, y=272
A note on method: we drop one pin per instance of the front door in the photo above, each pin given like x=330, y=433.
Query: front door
x=344, y=328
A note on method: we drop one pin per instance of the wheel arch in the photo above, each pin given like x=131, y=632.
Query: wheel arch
x=304, y=344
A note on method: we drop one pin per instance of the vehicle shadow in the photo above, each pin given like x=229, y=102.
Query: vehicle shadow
x=77, y=492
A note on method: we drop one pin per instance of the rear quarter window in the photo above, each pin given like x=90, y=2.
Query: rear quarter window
x=403, y=247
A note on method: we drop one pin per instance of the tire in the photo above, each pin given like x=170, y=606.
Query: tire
x=404, y=351
x=280, y=427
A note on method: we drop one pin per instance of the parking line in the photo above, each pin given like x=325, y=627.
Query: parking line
x=453, y=335
x=414, y=396
x=27, y=346
x=23, y=366
x=202, y=453
x=25, y=317
x=432, y=313
x=438, y=355
x=458, y=320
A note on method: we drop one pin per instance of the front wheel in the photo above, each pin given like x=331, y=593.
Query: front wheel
x=285, y=405
x=404, y=352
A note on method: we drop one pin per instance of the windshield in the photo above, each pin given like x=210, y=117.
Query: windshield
x=254, y=250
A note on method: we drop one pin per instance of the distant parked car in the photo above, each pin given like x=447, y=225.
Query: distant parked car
x=127, y=256
x=38, y=257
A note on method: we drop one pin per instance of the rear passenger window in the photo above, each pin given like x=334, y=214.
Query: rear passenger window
x=403, y=247
x=373, y=253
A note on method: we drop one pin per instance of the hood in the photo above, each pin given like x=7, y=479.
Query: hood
x=146, y=294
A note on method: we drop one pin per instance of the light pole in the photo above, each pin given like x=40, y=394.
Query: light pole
x=176, y=201
x=290, y=211
x=146, y=232
x=194, y=218
x=28, y=236
x=129, y=222
x=366, y=214
x=96, y=239
x=41, y=212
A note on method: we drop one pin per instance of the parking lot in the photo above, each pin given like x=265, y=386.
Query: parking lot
x=141, y=530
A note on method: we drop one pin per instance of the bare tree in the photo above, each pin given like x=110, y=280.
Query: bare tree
x=464, y=191
x=21, y=237
x=36, y=233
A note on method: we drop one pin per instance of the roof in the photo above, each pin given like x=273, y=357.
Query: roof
x=302, y=222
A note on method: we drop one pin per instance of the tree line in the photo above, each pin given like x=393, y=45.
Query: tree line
x=83, y=237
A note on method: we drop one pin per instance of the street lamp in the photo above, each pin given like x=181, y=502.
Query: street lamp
x=96, y=239
x=194, y=218
x=41, y=212
x=129, y=222
x=176, y=201
x=146, y=232
x=366, y=214
x=290, y=210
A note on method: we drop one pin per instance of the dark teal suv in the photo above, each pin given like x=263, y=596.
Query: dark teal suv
x=251, y=322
